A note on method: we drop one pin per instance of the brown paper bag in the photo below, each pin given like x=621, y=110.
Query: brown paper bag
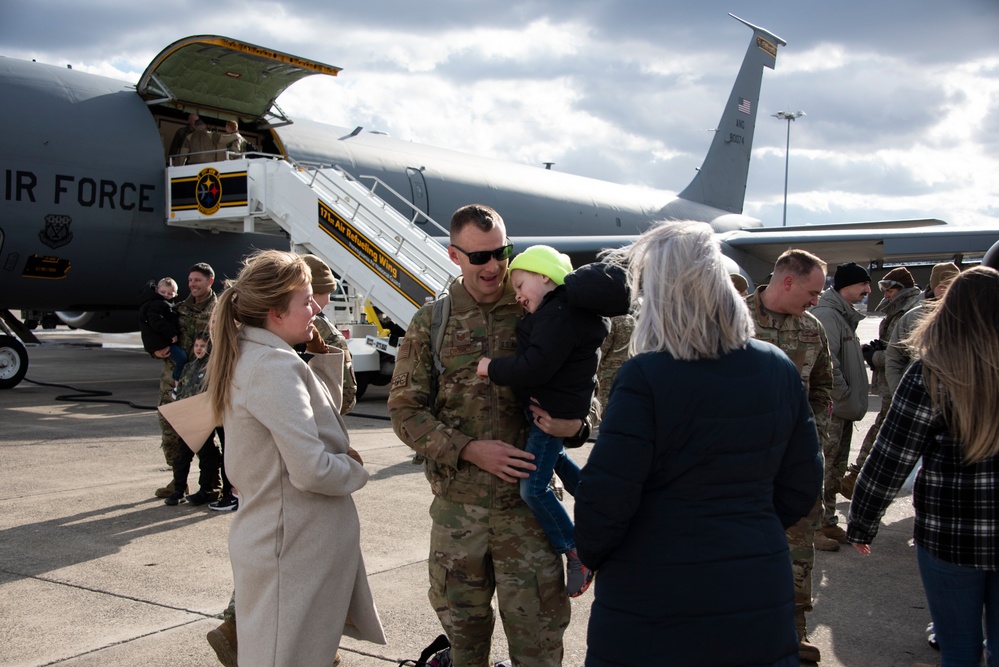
x=191, y=418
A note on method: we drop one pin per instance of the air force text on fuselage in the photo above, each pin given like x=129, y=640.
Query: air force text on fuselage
x=25, y=186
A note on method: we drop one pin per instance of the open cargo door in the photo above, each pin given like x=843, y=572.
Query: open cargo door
x=229, y=76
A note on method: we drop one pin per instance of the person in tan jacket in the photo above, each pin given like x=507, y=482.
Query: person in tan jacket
x=294, y=544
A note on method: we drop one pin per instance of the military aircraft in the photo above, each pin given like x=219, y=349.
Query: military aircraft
x=83, y=213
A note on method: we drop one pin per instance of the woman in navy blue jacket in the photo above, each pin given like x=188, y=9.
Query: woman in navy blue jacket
x=706, y=453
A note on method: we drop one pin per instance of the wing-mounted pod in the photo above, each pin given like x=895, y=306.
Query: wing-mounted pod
x=721, y=180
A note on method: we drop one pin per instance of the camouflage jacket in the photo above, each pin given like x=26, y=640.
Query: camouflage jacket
x=194, y=317
x=613, y=353
x=332, y=337
x=192, y=378
x=903, y=302
x=467, y=407
x=803, y=340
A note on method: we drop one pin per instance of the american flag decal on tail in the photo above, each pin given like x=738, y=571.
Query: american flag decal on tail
x=745, y=106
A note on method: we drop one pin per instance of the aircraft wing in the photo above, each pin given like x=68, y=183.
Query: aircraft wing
x=865, y=245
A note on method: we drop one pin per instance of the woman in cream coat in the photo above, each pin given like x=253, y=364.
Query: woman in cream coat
x=295, y=541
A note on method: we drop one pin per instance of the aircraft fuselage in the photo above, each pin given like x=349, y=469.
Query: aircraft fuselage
x=82, y=196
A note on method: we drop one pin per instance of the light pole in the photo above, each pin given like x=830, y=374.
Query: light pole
x=788, y=116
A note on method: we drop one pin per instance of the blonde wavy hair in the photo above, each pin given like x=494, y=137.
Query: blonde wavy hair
x=958, y=343
x=682, y=292
x=265, y=282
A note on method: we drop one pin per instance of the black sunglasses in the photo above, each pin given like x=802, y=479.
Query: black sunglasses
x=480, y=257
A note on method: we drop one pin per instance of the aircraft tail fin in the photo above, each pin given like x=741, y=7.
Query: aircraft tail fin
x=721, y=180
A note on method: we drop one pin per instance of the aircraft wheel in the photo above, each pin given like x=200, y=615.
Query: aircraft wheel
x=13, y=362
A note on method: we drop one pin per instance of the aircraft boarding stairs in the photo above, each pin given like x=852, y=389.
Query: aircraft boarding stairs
x=380, y=255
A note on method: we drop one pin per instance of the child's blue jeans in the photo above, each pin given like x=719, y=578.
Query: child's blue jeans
x=179, y=358
x=550, y=457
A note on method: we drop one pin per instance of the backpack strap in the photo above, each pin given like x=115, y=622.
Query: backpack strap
x=438, y=324
x=431, y=652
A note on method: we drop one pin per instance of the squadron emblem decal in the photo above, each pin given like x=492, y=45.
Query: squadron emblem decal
x=208, y=191
x=56, y=233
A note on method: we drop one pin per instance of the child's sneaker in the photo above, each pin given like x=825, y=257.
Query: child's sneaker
x=577, y=576
x=175, y=498
x=202, y=497
x=228, y=503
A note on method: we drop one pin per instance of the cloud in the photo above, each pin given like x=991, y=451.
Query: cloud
x=901, y=96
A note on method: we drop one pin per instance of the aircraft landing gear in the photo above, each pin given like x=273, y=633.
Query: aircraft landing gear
x=13, y=362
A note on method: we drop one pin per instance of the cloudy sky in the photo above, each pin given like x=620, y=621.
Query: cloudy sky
x=901, y=96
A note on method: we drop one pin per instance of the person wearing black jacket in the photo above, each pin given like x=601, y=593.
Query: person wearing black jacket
x=558, y=344
x=159, y=324
x=707, y=452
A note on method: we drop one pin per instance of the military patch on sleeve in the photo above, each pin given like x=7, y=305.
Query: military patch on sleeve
x=400, y=380
x=404, y=349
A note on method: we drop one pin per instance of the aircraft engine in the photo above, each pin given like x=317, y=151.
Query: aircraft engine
x=991, y=258
x=102, y=321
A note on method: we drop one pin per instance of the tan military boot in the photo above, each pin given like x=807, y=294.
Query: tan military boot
x=223, y=640
x=823, y=543
x=807, y=651
x=834, y=532
x=846, y=485
x=167, y=491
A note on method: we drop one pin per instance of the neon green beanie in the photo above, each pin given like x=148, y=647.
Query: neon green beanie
x=545, y=260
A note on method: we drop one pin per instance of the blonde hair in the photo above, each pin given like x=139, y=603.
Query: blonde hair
x=169, y=282
x=958, y=343
x=265, y=282
x=686, y=303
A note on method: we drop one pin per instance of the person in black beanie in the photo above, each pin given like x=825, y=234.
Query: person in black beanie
x=850, y=381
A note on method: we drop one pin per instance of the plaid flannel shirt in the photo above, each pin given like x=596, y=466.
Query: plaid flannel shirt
x=957, y=506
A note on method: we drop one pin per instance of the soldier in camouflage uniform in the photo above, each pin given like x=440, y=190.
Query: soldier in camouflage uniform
x=484, y=538
x=613, y=353
x=195, y=312
x=780, y=317
x=323, y=284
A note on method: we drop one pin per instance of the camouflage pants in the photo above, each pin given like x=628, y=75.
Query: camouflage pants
x=169, y=442
x=230, y=612
x=800, y=538
x=872, y=434
x=837, y=452
x=476, y=552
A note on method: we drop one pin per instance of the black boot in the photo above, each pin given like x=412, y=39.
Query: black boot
x=175, y=498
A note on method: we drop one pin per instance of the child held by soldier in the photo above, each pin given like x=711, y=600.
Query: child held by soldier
x=159, y=325
x=558, y=343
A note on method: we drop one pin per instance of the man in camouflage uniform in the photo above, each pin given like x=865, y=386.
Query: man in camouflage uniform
x=484, y=539
x=780, y=316
x=195, y=313
x=613, y=352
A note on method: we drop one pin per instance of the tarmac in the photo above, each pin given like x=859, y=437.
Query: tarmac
x=96, y=571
